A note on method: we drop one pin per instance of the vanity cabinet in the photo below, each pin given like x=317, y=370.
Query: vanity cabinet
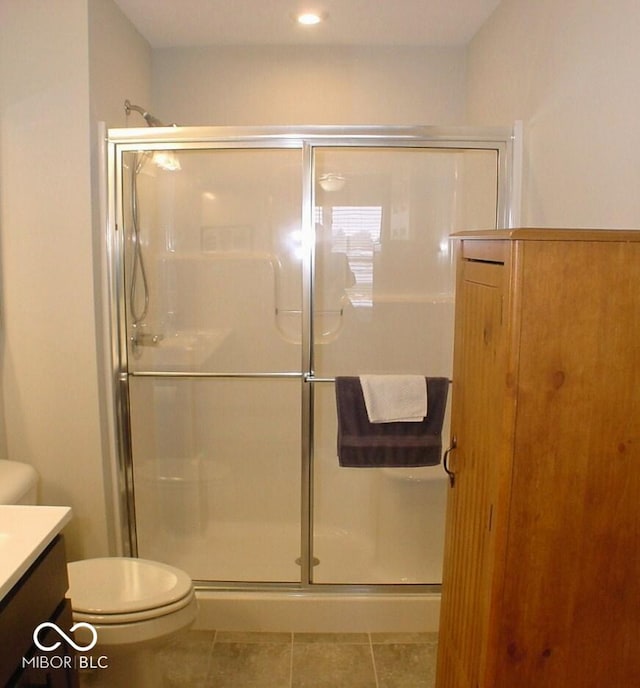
x=541, y=583
x=38, y=596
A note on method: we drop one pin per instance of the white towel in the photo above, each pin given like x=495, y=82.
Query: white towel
x=395, y=398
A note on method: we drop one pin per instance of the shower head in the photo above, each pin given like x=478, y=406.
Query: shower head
x=148, y=118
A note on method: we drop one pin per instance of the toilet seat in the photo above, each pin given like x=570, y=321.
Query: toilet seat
x=117, y=631
x=134, y=617
x=119, y=590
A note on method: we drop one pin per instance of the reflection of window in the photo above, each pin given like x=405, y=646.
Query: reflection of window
x=355, y=232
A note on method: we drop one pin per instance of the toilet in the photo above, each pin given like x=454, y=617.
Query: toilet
x=18, y=483
x=133, y=604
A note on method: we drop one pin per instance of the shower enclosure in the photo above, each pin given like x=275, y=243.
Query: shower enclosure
x=248, y=269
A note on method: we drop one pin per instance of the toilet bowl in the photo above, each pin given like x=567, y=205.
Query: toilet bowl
x=18, y=483
x=130, y=600
x=130, y=607
x=131, y=604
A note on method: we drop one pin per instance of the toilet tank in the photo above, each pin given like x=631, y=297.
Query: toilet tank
x=18, y=483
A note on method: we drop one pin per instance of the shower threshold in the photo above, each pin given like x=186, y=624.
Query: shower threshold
x=308, y=611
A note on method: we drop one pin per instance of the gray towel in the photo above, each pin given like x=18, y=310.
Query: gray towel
x=362, y=444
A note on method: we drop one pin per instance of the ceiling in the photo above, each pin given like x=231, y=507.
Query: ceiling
x=172, y=23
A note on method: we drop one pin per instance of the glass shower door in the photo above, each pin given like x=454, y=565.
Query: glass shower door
x=254, y=267
x=384, y=298
x=213, y=301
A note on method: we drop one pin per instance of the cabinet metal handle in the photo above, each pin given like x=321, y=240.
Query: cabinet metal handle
x=445, y=460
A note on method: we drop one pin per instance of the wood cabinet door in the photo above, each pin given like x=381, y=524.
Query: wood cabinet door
x=571, y=602
x=478, y=378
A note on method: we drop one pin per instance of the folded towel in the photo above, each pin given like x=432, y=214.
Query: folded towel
x=362, y=444
x=394, y=398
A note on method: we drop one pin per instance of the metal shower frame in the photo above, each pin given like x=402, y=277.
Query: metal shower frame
x=507, y=142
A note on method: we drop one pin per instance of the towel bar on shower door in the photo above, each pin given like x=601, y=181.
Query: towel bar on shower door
x=307, y=377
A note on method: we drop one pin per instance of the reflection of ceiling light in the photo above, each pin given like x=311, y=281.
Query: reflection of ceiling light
x=332, y=181
x=166, y=160
x=309, y=18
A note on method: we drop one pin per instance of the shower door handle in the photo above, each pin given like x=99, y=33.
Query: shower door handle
x=445, y=461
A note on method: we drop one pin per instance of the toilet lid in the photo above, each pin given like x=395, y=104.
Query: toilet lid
x=117, y=585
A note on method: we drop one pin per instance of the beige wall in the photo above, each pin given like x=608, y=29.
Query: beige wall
x=50, y=367
x=82, y=59
x=229, y=85
x=119, y=70
x=49, y=361
x=570, y=71
x=119, y=64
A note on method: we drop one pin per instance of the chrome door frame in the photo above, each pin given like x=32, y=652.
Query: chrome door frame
x=507, y=142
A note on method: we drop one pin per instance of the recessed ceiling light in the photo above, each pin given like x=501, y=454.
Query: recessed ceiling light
x=309, y=18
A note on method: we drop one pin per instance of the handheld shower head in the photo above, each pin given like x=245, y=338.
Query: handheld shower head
x=148, y=117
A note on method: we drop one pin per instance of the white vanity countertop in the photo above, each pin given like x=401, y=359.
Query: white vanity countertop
x=25, y=532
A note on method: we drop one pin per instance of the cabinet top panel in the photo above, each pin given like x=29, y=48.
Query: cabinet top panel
x=537, y=234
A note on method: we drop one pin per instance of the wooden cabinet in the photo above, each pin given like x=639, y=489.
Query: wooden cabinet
x=541, y=581
x=39, y=596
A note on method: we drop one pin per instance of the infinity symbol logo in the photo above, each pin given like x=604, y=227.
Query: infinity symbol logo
x=56, y=645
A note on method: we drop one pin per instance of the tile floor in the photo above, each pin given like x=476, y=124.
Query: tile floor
x=210, y=659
